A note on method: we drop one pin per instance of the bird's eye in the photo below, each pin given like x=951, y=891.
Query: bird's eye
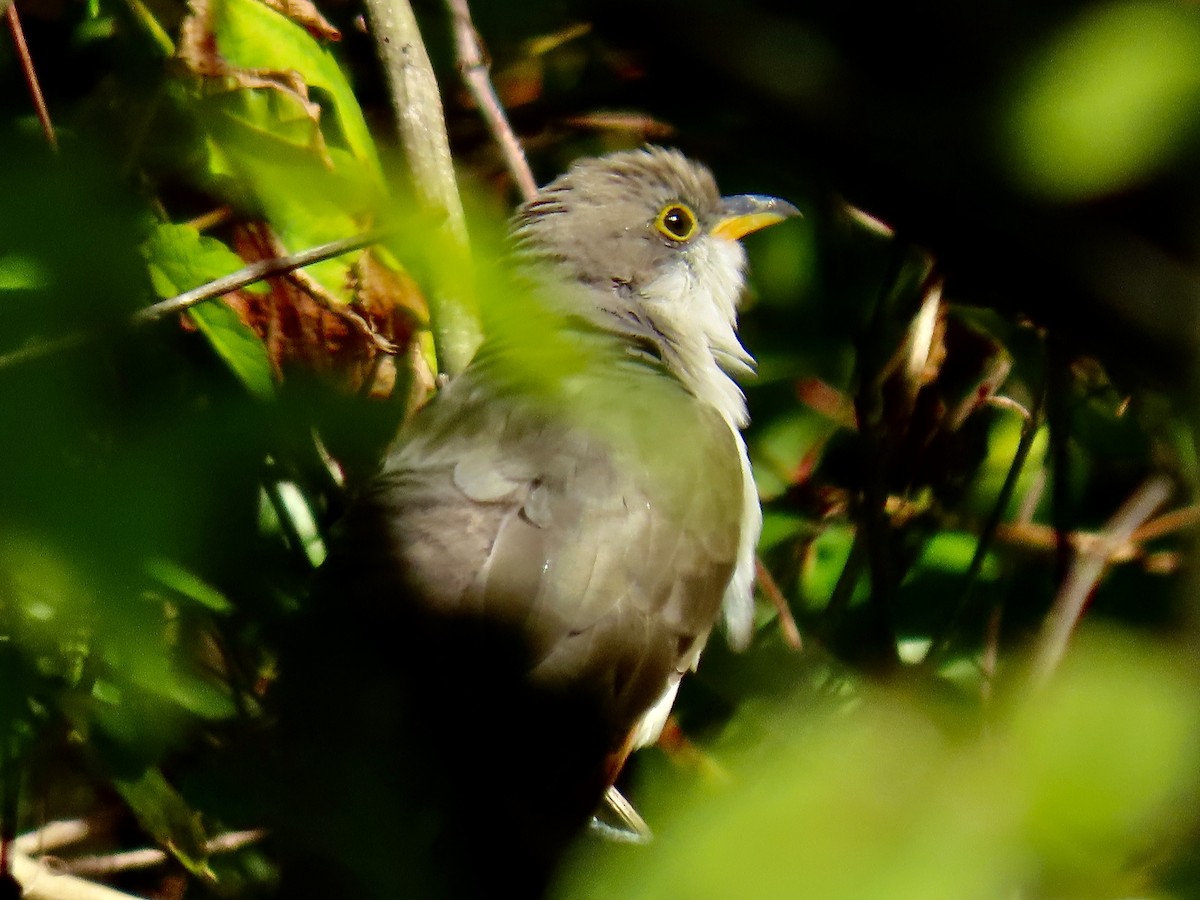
x=676, y=222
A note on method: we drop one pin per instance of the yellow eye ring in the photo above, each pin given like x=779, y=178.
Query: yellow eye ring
x=676, y=222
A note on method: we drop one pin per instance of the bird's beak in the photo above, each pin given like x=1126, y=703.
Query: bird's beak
x=745, y=213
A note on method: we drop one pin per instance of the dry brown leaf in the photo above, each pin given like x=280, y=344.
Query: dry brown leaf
x=304, y=329
x=305, y=14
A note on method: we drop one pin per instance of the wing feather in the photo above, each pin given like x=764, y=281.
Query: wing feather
x=608, y=541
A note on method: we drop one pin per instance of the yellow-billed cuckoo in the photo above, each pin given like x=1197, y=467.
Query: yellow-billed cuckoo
x=583, y=498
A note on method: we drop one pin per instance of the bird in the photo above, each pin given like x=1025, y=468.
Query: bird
x=552, y=539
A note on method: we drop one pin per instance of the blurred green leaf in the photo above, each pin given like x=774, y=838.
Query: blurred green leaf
x=1108, y=101
x=167, y=817
x=1003, y=439
x=824, y=563
x=187, y=585
x=21, y=272
x=951, y=551
x=1069, y=793
x=1107, y=756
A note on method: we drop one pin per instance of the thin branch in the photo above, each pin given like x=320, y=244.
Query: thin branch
x=1085, y=571
x=843, y=589
x=45, y=348
x=330, y=303
x=1029, y=429
x=1059, y=413
x=247, y=275
x=1168, y=522
x=148, y=857
x=419, y=118
x=1044, y=538
x=474, y=68
x=256, y=271
x=40, y=883
x=417, y=105
x=31, y=79
x=212, y=219
x=54, y=836
x=770, y=589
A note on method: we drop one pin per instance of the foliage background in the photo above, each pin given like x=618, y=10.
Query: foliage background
x=163, y=502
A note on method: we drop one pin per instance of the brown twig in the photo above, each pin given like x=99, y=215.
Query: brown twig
x=1168, y=522
x=212, y=219
x=31, y=79
x=1044, y=538
x=770, y=589
x=1084, y=573
x=474, y=68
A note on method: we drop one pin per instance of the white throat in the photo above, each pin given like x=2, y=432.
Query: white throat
x=693, y=305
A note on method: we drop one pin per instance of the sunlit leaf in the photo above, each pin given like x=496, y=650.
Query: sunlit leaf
x=251, y=35
x=283, y=132
x=180, y=258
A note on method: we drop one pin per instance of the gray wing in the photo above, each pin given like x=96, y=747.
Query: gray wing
x=609, y=546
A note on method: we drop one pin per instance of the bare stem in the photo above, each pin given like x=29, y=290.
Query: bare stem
x=256, y=271
x=1029, y=429
x=419, y=118
x=474, y=67
x=54, y=836
x=41, y=883
x=31, y=79
x=1085, y=571
x=770, y=589
x=148, y=857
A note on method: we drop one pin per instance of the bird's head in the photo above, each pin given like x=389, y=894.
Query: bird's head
x=657, y=245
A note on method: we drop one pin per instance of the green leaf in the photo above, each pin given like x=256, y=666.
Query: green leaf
x=251, y=35
x=283, y=135
x=187, y=585
x=167, y=818
x=823, y=564
x=237, y=345
x=179, y=259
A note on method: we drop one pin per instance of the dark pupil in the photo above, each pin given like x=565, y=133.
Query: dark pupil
x=677, y=222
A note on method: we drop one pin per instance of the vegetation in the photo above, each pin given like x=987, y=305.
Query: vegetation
x=974, y=670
